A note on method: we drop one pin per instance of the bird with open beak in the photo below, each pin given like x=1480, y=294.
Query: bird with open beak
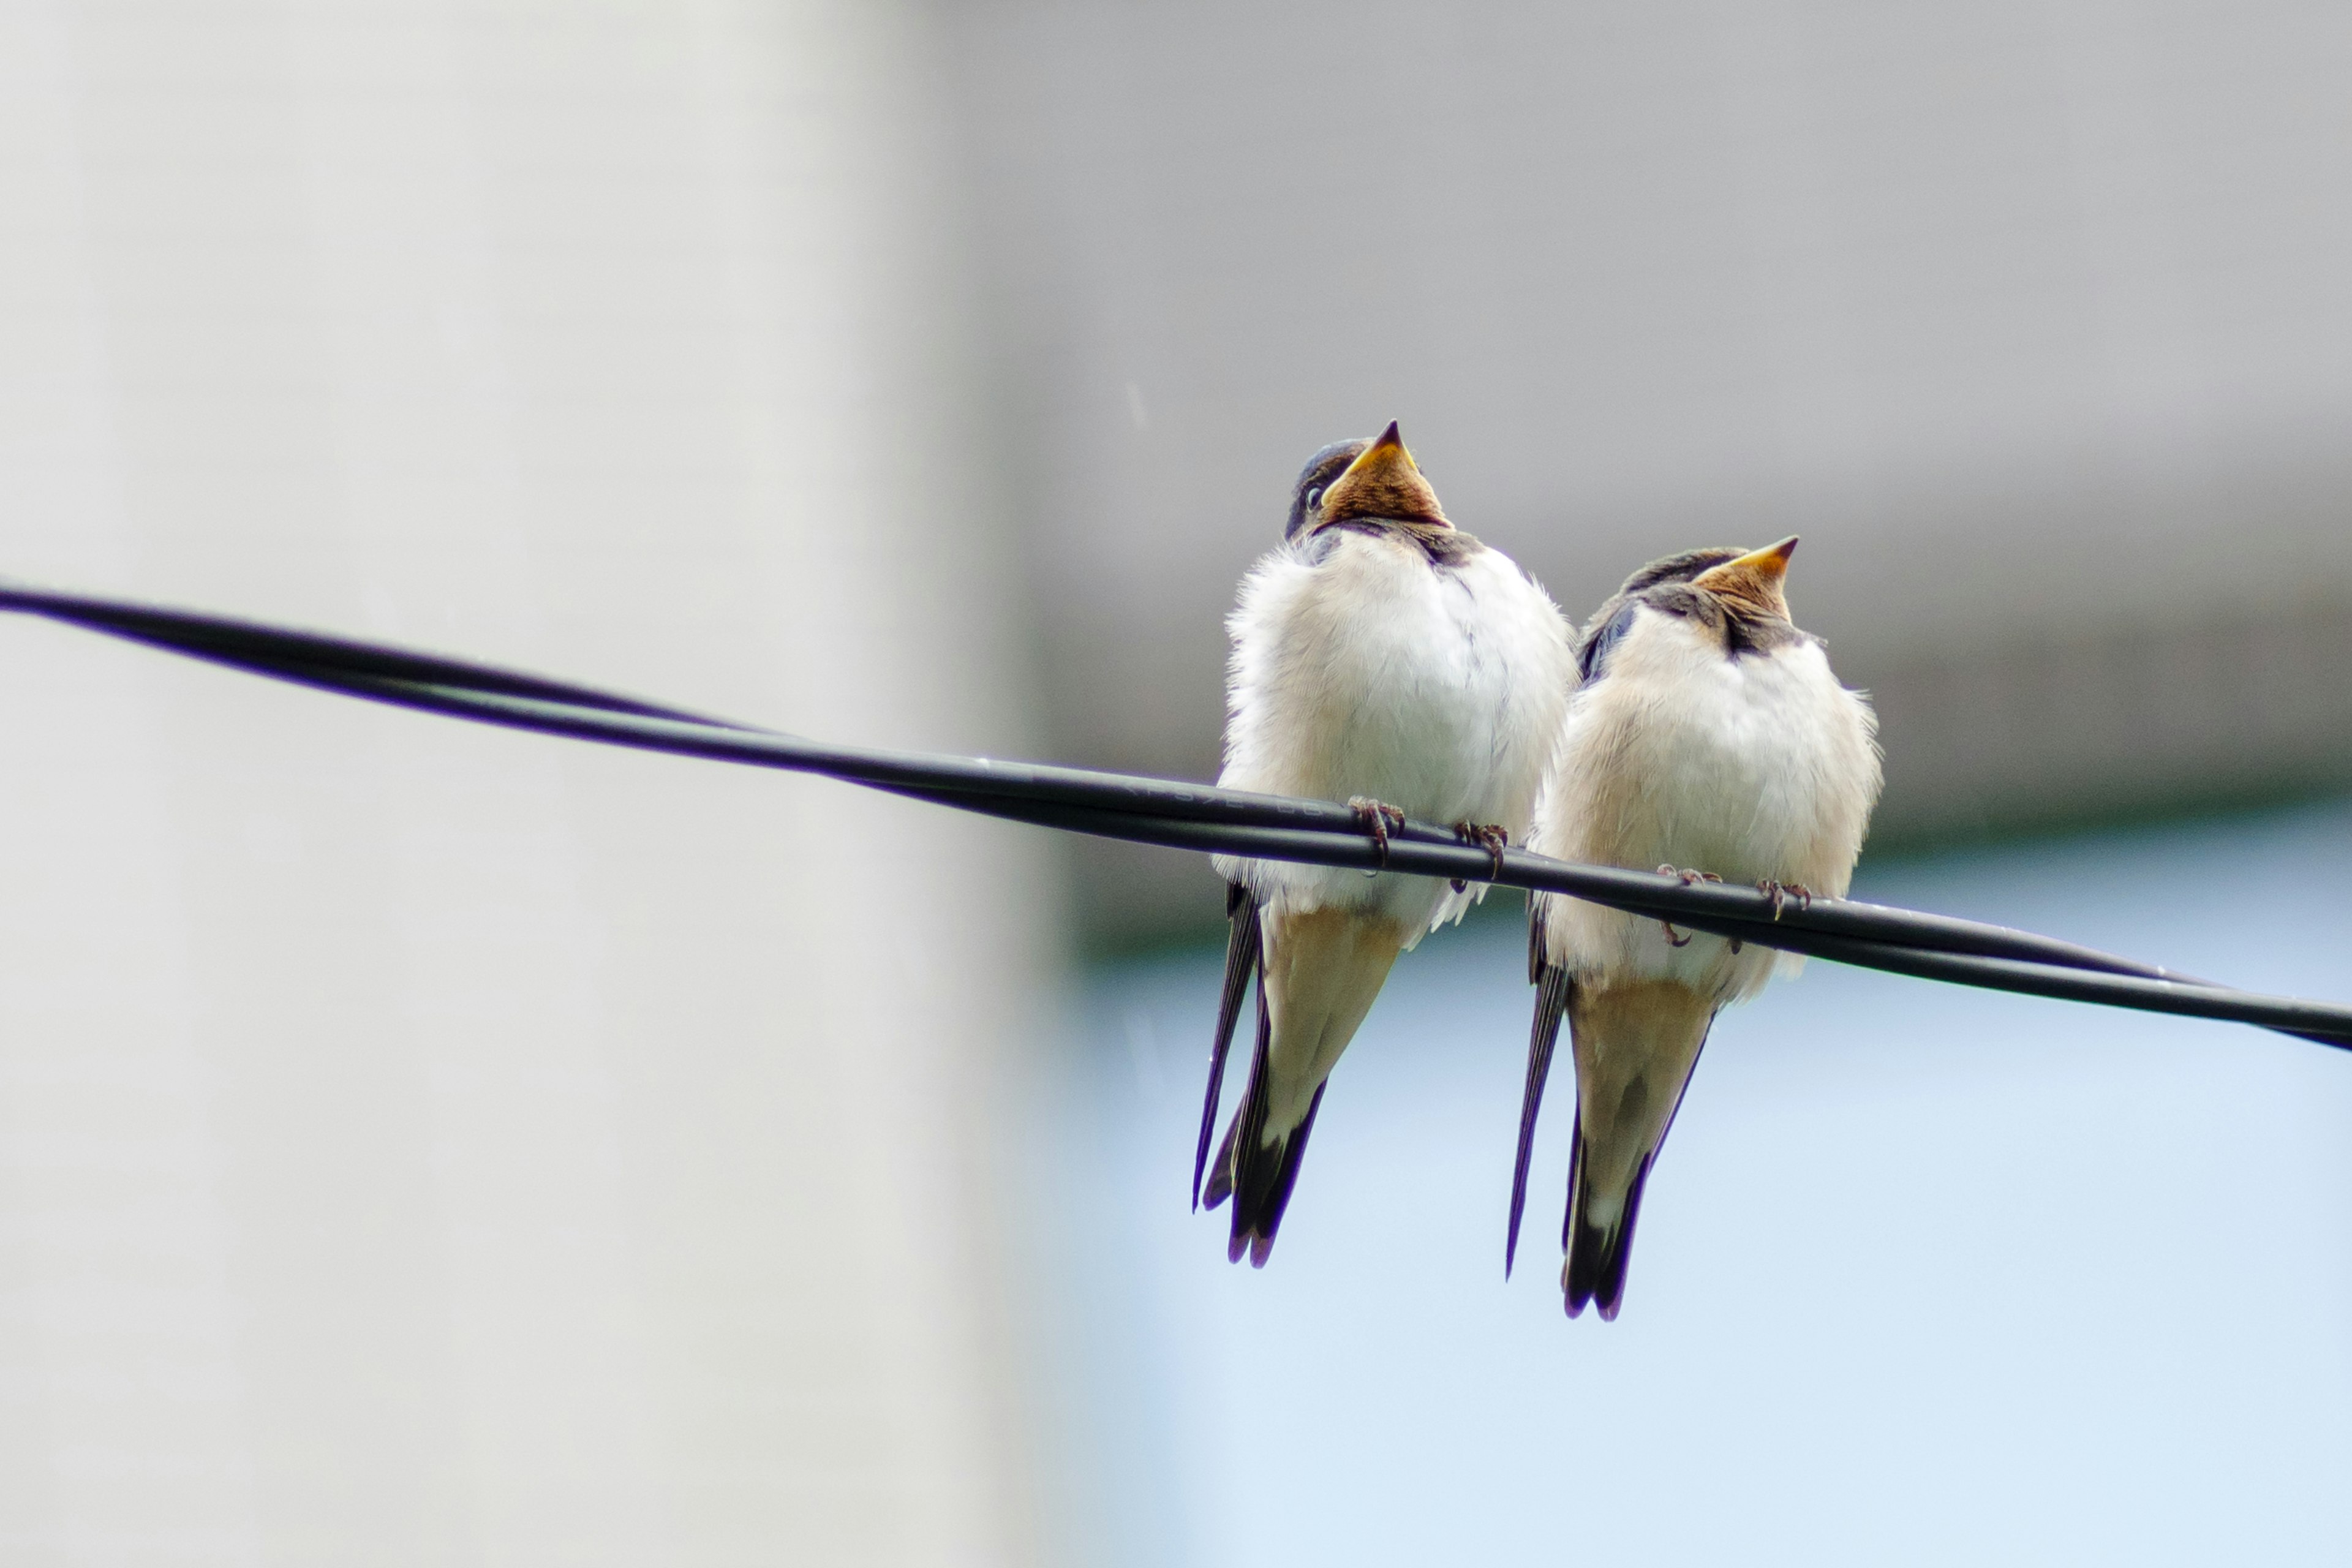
x=1384, y=659
x=1708, y=738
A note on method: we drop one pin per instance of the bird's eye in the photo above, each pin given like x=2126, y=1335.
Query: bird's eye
x=1314, y=498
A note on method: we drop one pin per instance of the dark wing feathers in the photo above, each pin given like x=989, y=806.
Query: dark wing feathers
x=1592, y=656
x=1242, y=948
x=1553, y=988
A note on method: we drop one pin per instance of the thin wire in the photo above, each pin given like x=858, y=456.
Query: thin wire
x=1189, y=817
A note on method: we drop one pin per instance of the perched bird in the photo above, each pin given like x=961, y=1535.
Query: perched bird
x=1381, y=657
x=1708, y=738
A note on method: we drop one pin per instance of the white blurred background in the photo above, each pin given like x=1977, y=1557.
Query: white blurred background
x=424, y=1145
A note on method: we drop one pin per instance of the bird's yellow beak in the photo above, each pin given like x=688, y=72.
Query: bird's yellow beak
x=1387, y=454
x=1383, y=482
x=1753, y=579
x=1772, y=560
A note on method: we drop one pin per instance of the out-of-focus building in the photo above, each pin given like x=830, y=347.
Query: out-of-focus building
x=421, y=1144
x=2029, y=318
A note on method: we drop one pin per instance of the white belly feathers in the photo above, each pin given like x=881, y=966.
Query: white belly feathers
x=1756, y=768
x=1359, y=669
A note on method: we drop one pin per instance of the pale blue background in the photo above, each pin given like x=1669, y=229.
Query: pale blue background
x=1925, y=1275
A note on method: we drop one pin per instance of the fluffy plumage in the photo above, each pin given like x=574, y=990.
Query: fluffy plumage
x=1710, y=734
x=1378, y=654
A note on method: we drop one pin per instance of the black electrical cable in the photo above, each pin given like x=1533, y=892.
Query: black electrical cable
x=1190, y=816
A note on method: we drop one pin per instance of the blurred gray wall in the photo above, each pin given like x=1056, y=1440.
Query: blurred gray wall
x=422, y=1144
x=2031, y=317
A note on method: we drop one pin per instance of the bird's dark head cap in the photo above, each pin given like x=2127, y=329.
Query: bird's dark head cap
x=1314, y=479
x=1375, y=479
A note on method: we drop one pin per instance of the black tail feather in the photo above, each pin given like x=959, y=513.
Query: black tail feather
x=1243, y=949
x=1256, y=1175
x=1262, y=1190
x=1597, y=1256
x=1553, y=987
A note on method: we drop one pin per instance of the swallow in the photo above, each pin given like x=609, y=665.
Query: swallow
x=1708, y=738
x=1385, y=659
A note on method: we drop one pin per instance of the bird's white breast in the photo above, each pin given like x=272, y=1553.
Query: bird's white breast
x=1359, y=669
x=1754, y=768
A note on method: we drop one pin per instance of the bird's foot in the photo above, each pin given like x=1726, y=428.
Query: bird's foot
x=1488, y=835
x=1781, y=892
x=1379, y=819
x=1688, y=877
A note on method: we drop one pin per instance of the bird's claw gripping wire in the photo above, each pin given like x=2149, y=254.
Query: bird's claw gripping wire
x=1379, y=819
x=1781, y=892
x=1490, y=836
x=1688, y=879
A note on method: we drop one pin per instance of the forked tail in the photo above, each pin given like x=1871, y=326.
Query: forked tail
x=1257, y=1175
x=1598, y=1245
